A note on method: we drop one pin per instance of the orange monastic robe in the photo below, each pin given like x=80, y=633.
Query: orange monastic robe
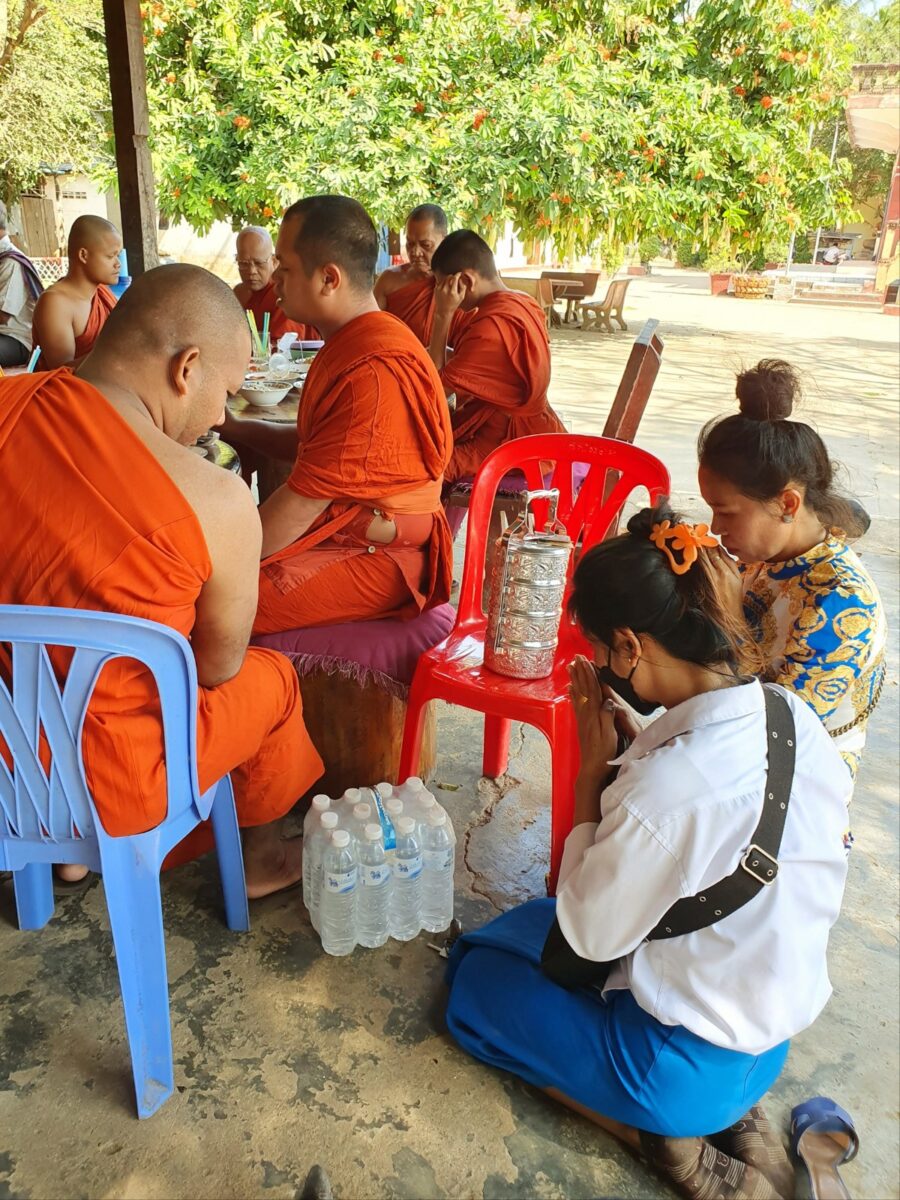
x=374, y=437
x=266, y=301
x=101, y=306
x=414, y=305
x=91, y=520
x=500, y=372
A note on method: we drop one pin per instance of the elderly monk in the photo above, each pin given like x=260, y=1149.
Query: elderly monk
x=127, y=519
x=358, y=531
x=70, y=314
x=499, y=369
x=255, y=259
x=407, y=290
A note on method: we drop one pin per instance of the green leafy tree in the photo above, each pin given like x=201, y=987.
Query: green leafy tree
x=53, y=89
x=586, y=122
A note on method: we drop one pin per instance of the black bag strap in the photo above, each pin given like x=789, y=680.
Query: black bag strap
x=758, y=867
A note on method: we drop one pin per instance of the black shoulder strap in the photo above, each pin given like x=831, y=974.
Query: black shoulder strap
x=758, y=867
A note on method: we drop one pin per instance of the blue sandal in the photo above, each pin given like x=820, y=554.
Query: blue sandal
x=823, y=1136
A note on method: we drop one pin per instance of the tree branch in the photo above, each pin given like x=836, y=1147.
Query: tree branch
x=32, y=11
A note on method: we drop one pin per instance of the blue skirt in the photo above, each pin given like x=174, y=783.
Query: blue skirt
x=608, y=1054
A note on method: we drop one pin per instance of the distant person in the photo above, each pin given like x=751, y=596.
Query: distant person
x=19, y=291
x=407, y=290
x=71, y=313
x=499, y=368
x=257, y=291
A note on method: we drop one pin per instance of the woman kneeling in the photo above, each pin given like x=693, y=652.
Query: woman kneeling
x=663, y=1030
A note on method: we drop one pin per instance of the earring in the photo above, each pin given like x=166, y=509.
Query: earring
x=787, y=518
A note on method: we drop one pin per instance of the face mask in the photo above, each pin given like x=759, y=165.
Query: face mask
x=623, y=688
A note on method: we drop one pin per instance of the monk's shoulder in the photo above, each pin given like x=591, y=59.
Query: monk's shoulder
x=58, y=299
x=393, y=279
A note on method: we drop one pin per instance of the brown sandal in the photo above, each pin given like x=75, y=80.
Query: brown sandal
x=755, y=1142
x=701, y=1172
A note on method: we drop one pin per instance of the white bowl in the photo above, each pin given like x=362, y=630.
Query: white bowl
x=264, y=395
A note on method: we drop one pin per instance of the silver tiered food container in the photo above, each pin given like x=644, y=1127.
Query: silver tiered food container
x=527, y=588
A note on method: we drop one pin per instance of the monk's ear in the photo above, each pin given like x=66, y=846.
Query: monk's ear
x=183, y=369
x=331, y=278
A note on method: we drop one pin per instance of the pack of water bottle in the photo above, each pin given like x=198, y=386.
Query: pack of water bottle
x=377, y=863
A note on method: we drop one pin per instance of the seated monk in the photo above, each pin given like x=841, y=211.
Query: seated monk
x=358, y=531
x=126, y=519
x=70, y=314
x=255, y=259
x=499, y=369
x=407, y=290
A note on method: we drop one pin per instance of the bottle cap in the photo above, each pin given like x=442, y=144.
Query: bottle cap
x=352, y=795
x=427, y=801
x=414, y=784
x=329, y=819
x=340, y=838
x=385, y=790
x=321, y=802
x=437, y=817
x=373, y=833
x=406, y=826
x=394, y=806
x=362, y=812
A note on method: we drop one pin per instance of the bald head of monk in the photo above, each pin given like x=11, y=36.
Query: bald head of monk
x=94, y=247
x=327, y=248
x=255, y=255
x=426, y=228
x=469, y=258
x=176, y=345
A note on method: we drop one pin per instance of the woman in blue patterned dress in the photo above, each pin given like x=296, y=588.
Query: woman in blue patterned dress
x=814, y=608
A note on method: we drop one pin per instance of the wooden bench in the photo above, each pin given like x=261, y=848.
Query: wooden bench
x=539, y=290
x=571, y=286
x=596, y=312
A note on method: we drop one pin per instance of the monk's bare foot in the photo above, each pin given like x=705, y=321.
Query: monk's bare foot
x=271, y=863
x=70, y=872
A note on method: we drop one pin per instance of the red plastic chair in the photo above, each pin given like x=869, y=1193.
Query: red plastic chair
x=453, y=669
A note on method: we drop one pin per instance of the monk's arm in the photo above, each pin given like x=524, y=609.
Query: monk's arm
x=440, y=335
x=266, y=437
x=380, y=291
x=286, y=516
x=227, y=602
x=53, y=330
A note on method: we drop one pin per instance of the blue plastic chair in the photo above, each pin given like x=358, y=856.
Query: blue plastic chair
x=49, y=817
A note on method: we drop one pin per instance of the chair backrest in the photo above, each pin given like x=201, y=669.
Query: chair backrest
x=635, y=385
x=615, y=297
x=41, y=716
x=586, y=512
x=520, y=284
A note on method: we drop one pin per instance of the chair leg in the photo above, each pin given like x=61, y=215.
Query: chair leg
x=34, y=895
x=621, y=320
x=413, y=728
x=135, y=915
x=231, y=860
x=495, y=756
x=565, y=763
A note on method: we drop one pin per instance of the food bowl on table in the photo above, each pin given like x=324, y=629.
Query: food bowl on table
x=263, y=394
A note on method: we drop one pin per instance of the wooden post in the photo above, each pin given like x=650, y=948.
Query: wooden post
x=131, y=126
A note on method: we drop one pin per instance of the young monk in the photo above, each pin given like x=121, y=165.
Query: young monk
x=69, y=316
x=407, y=290
x=499, y=369
x=126, y=519
x=358, y=530
x=255, y=259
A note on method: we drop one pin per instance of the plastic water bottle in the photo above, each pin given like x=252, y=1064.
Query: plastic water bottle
x=339, y=885
x=311, y=821
x=406, y=900
x=320, y=839
x=385, y=790
x=375, y=887
x=362, y=816
x=438, y=861
x=411, y=789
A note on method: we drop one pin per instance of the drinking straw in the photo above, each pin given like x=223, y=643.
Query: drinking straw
x=254, y=332
x=265, y=332
x=32, y=362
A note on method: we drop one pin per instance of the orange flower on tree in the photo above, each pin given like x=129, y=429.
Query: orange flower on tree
x=786, y=55
x=566, y=200
x=398, y=58
x=585, y=135
x=766, y=102
x=479, y=119
x=418, y=107
x=620, y=175
x=241, y=122
x=738, y=51
x=801, y=57
x=764, y=177
x=746, y=233
x=170, y=78
x=176, y=192
x=739, y=91
x=554, y=195
x=784, y=26
x=268, y=212
x=699, y=174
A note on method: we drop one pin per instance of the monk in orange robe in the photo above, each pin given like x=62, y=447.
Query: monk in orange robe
x=126, y=519
x=69, y=315
x=358, y=530
x=499, y=369
x=255, y=259
x=407, y=290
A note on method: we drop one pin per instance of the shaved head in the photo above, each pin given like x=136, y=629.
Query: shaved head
x=338, y=230
x=432, y=214
x=464, y=250
x=171, y=307
x=89, y=232
x=252, y=237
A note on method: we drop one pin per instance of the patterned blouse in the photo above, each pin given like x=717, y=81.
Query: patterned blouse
x=820, y=622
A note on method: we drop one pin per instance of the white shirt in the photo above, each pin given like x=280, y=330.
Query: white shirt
x=677, y=820
x=15, y=298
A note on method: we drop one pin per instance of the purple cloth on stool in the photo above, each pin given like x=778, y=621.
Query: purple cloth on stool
x=381, y=652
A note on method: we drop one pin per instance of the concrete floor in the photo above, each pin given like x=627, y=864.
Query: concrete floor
x=284, y=1057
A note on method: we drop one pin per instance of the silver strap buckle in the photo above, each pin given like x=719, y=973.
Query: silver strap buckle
x=758, y=854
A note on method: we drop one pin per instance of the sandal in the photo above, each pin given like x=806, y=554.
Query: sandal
x=823, y=1136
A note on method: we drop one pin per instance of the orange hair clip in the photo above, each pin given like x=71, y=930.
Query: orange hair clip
x=686, y=538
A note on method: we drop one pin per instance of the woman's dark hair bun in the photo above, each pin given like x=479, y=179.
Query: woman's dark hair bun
x=768, y=391
x=641, y=524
